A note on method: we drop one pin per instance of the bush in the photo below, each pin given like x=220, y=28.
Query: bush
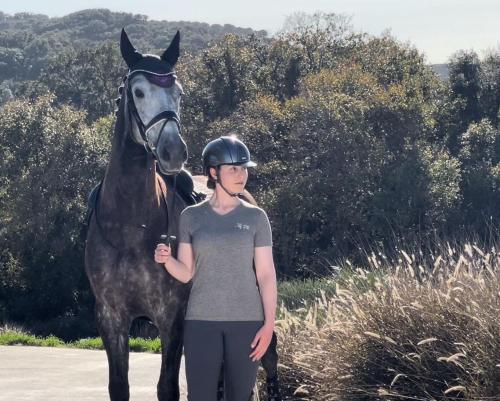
x=49, y=160
x=425, y=331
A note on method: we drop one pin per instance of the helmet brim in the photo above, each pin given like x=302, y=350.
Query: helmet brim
x=248, y=164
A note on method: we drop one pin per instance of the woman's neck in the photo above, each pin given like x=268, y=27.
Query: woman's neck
x=221, y=200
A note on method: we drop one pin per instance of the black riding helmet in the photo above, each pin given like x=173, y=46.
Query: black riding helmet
x=225, y=150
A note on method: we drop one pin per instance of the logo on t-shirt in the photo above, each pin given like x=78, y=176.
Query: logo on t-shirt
x=241, y=226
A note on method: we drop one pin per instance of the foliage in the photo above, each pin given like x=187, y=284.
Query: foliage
x=490, y=87
x=480, y=158
x=13, y=338
x=33, y=39
x=423, y=331
x=49, y=159
x=87, y=79
x=19, y=337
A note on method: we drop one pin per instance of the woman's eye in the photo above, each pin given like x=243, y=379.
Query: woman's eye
x=138, y=93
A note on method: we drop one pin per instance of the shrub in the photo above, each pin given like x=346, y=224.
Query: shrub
x=424, y=331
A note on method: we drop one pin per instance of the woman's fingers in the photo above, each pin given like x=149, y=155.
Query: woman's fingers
x=260, y=345
x=162, y=253
x=256, y=339
x=257, y=346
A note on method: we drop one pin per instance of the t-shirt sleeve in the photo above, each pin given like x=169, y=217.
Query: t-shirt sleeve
x=263, y=235
x=185, y=228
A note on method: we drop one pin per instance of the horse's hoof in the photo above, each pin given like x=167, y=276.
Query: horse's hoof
x=273, y=390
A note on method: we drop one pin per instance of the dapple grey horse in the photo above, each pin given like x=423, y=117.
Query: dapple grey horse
x=131, y=214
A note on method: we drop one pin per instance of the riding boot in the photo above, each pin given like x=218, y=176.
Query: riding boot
x=273, y=390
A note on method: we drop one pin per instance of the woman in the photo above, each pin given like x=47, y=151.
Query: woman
x=227, y=319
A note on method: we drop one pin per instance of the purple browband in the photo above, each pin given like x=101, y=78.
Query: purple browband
x=163, y=80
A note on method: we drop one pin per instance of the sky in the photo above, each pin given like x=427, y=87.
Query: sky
x=438, y=28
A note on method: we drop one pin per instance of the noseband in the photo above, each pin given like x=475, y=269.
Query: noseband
x=165, y=81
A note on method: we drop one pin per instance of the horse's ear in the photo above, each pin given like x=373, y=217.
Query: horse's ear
x=129, y=53
x=172, y=53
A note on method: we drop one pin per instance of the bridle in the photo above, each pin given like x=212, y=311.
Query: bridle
x=165, y=116
x=163, y=80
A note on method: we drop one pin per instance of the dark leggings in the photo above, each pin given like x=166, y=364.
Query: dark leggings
x=206, y=345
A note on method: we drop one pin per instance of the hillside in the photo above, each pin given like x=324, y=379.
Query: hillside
x=27, y=40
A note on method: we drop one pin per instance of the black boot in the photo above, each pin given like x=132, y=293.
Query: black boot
x=273, y=389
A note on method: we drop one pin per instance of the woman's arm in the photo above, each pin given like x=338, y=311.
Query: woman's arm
x=266, y=277
x=181, y=268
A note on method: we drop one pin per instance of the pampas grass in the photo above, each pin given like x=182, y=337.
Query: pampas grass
x=416, y=331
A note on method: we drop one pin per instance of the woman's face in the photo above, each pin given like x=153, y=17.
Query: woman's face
x=234, y=178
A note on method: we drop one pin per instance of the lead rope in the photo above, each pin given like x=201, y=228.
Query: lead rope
x=174, y=194
x=169, y=210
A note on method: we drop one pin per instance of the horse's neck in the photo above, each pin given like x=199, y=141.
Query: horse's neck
x=130, y=184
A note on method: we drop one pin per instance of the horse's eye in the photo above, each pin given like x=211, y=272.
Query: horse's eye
x=138, y=93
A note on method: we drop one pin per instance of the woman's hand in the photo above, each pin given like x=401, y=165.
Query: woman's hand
x=162, y=253
x=261, y=342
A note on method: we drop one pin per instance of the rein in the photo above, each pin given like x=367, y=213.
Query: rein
x=164, y=195
x=166, y=116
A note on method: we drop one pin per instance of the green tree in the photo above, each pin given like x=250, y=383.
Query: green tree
x=49, y=160
x=87, y=79
x=480, y=159
x=490, y=87
x=465, y=91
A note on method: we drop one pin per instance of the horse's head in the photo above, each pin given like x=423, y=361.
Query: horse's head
x=153, y=95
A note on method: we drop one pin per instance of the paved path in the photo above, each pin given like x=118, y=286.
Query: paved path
x=65, y=374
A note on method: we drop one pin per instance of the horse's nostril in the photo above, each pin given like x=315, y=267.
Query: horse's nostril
x=185, y=155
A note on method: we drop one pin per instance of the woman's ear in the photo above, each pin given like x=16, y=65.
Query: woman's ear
x=213, y=173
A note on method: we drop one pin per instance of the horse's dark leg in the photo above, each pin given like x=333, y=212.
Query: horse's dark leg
x=113, y=328
x=171, y=342
x=270, y=364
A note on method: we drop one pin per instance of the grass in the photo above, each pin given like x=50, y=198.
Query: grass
x=419, y=331
x=15, y=336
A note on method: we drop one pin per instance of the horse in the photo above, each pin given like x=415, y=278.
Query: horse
x=134, y=209
x=135, y=205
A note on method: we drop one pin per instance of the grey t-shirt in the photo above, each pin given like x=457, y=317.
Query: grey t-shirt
x=224, y=284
